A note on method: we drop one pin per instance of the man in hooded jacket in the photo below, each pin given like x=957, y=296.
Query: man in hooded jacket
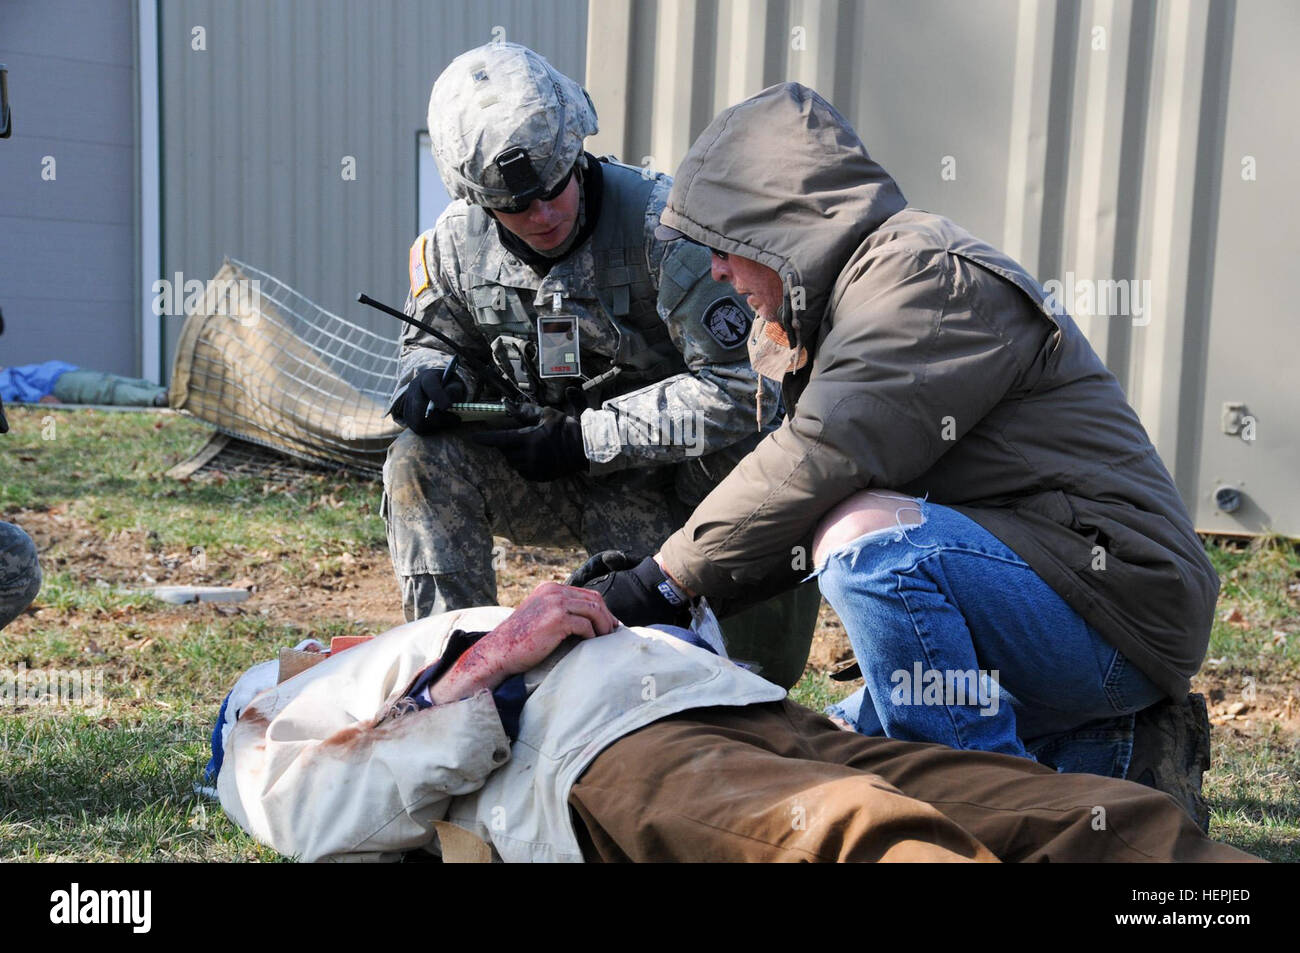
x=1010, y=558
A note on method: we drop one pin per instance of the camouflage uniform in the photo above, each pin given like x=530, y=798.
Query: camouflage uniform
x=670, y=423
x=20, y=572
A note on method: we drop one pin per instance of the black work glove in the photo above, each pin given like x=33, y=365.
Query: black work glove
x=426, y=388
x=549, y=447
x=637, y=594
x=601, y=564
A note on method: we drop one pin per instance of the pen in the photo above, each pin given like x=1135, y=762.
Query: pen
x=447, y=377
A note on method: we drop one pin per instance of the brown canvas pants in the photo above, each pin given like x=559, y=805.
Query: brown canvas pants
x=777, y=782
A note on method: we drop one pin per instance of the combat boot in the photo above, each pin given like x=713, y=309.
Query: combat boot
x=1171, y=752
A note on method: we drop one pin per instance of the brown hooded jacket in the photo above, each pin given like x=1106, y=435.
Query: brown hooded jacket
x=940, y=369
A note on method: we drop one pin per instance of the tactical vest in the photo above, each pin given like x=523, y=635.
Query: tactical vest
x=619, y=324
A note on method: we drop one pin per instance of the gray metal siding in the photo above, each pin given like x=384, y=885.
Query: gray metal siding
x=1249, y=260
x=255, y=129
x=67, y=246
x=851, y=51
x=1111, y=160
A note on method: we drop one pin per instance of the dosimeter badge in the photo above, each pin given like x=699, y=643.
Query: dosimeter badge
x=557, y=343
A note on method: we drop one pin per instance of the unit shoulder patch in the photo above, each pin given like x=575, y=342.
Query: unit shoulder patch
x=727, y=322
x=421, y=281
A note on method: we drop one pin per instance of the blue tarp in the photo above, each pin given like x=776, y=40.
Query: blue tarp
x=28, y=383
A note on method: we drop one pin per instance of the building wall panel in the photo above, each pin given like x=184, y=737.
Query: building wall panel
x=1095, y=140
x=256, y=128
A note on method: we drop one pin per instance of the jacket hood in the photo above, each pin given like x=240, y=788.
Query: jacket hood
x=783, y=179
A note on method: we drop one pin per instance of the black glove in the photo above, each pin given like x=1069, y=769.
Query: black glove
x=548, y=448
x=601, y=564
x=427, y=387
x=640, y=595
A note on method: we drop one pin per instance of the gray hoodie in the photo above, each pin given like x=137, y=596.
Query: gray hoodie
x=938, y=368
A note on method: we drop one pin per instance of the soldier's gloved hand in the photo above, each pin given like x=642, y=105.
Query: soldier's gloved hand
x=425, y=389
x=601, y=564
x=641, y=595
x=548, y=448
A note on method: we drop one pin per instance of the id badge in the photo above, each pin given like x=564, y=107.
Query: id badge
x=557, y=346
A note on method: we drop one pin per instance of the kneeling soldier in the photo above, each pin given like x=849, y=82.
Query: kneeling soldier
x=546, y=266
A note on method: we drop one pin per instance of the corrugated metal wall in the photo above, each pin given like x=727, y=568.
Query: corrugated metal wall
x=67, y=184
x=1147, y=142
x=256, y=127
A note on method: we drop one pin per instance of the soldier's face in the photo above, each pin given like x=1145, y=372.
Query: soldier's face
x=759, y=283
x=545, y=225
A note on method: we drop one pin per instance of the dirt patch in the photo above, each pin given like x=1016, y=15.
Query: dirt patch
x=357, y=587
x=830, y=644
x=1245, y=708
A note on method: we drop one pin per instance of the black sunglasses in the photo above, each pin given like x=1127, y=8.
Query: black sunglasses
x=523, y=204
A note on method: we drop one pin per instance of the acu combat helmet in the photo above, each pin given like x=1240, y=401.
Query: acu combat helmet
x=506, y=126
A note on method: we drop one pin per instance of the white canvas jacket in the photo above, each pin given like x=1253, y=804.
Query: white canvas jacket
x=318, y=767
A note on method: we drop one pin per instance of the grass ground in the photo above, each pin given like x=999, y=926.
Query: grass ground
x=117, y=782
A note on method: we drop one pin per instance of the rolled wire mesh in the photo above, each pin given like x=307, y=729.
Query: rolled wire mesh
x=264, y=363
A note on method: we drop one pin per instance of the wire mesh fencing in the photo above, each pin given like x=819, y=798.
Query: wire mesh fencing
x=262, y=362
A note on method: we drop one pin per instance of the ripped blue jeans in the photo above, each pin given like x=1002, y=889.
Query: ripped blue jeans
x=961, y=643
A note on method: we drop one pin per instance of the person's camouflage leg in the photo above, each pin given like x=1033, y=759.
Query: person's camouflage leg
x=1171, y=752
x=20, y=572
x=776, y=635
x=444, y=499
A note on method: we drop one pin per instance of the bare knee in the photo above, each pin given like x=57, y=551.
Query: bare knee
x=866, y=511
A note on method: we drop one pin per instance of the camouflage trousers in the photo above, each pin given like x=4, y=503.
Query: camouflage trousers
x=20, y=572
x=445, y=497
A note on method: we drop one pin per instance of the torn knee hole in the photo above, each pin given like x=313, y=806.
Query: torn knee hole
x=864, y=514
